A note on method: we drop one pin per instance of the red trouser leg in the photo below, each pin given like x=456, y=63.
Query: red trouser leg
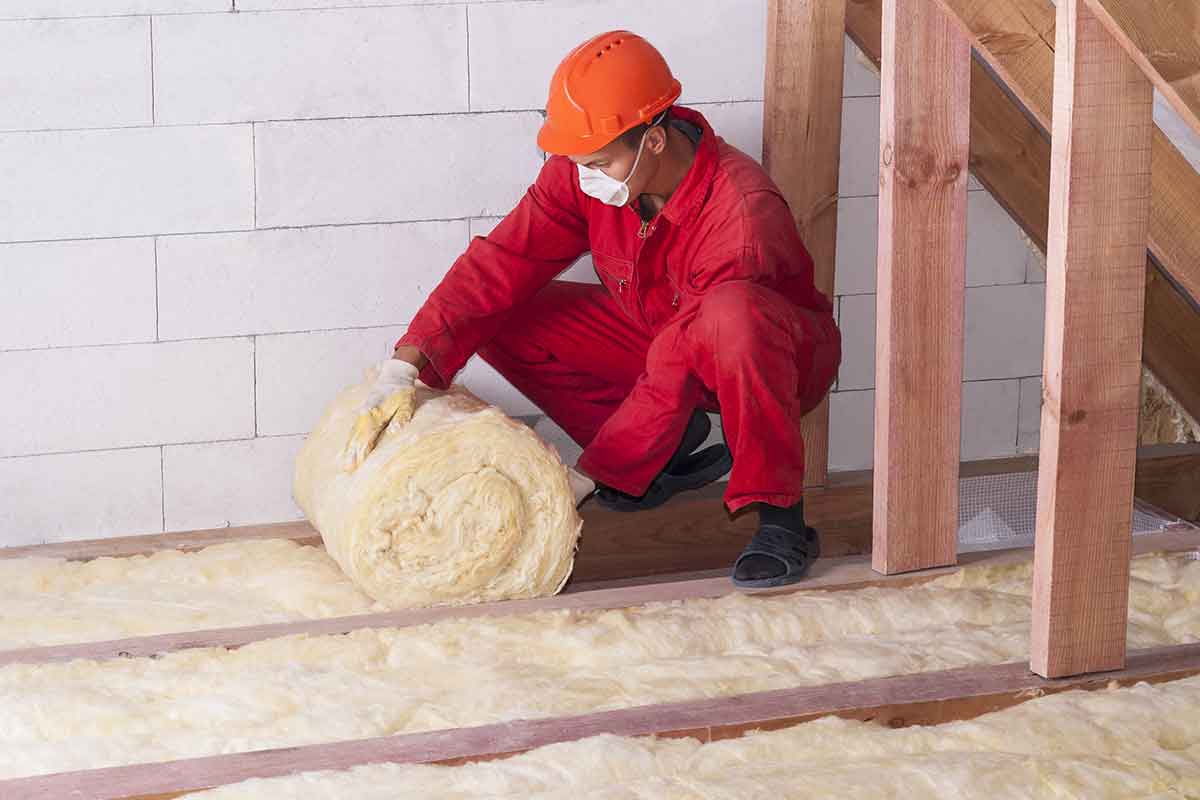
x=573, y=352
x=768, y=362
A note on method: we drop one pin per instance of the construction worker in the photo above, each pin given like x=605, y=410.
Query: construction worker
x=707, y=303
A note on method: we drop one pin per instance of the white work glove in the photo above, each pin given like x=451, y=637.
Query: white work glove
x=389, y=404
x=581, y=485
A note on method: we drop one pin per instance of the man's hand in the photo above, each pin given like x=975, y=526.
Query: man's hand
x=389, y=404
x=581, y=485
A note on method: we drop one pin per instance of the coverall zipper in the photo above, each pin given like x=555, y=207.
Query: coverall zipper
x=644, y=232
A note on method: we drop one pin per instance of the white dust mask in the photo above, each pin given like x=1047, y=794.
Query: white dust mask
x=603, y=186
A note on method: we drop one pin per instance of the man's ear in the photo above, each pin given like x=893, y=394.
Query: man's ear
x=656, y=139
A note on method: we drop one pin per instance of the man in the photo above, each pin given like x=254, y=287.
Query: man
x=707, y=303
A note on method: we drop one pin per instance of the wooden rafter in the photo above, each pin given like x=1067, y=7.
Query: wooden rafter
x=1163, y=39
x=1016, y=38
x=1010, y=155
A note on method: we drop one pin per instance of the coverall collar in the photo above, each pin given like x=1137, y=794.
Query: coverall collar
x=685, y=202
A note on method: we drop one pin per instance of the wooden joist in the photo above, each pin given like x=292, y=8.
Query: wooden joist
x=919, y=699
x=828, y=574
x=1010, y=155
x=840, y=573
x=802, y=134
x=921, y=279
x=1174, y=482
x=692, y=532
x=1099, y=210
x=726, y=717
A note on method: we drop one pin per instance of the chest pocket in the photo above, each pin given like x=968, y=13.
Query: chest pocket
x=615, y=273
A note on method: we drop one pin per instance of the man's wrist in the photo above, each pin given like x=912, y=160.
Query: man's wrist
x=411, y=354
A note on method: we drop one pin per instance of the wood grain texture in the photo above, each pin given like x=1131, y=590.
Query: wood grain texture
x=1016, y=38
x=1010, y=155
x=900, y=700
x=1171, y=338
x=1163, y=39
x=1099, y=215
x=921, y=279
x=802, y=133
x=693, y=532
x=122, y=546
x=1174, y=483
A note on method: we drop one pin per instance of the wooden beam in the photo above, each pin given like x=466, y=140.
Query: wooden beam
x=802, y=133
x=1171, y=337
x=1016, y=39
x=828, y=574
x=1099, y=214
x=1163, y=39
x=139, y=545
x=921, y=278
x=921, y=699
x=690, y=533
x=1174, y=483
x=1010, y=155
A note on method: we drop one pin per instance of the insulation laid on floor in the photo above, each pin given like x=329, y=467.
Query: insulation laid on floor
x=1141, y=741
x=51, y=601
x=462, y=504
x=454, y=673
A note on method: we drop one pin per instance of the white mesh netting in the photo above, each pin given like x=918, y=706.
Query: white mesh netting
x=998, y=511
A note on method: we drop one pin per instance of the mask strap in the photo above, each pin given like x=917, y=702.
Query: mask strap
x=641, y=144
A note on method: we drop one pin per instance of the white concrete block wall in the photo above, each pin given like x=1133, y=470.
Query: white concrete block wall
x=296, y=279
x=353, y=62
x=218, y=213
x=295, y=373
x=228, y=483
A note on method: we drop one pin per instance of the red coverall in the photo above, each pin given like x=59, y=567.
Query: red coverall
x=711, y=304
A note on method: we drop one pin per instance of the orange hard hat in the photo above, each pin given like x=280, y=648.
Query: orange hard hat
x=604, y=87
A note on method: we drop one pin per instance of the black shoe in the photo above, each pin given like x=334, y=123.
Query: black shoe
x=684, y=471
x=781, y=551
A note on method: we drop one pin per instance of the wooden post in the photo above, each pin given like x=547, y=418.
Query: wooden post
x=802, y=131
x=924, y=126
x=1099, y=215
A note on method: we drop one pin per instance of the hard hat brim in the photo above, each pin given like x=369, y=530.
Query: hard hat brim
x=556, y=143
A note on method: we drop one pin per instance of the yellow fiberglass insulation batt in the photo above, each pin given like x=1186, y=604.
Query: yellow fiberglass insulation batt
x=1142, y=741
x=297, y=690
x=462, y=504
x=49, y=601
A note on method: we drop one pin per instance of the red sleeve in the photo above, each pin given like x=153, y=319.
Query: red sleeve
x=538, y=239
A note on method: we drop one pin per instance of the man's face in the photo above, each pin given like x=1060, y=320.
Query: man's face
x=616, y=159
